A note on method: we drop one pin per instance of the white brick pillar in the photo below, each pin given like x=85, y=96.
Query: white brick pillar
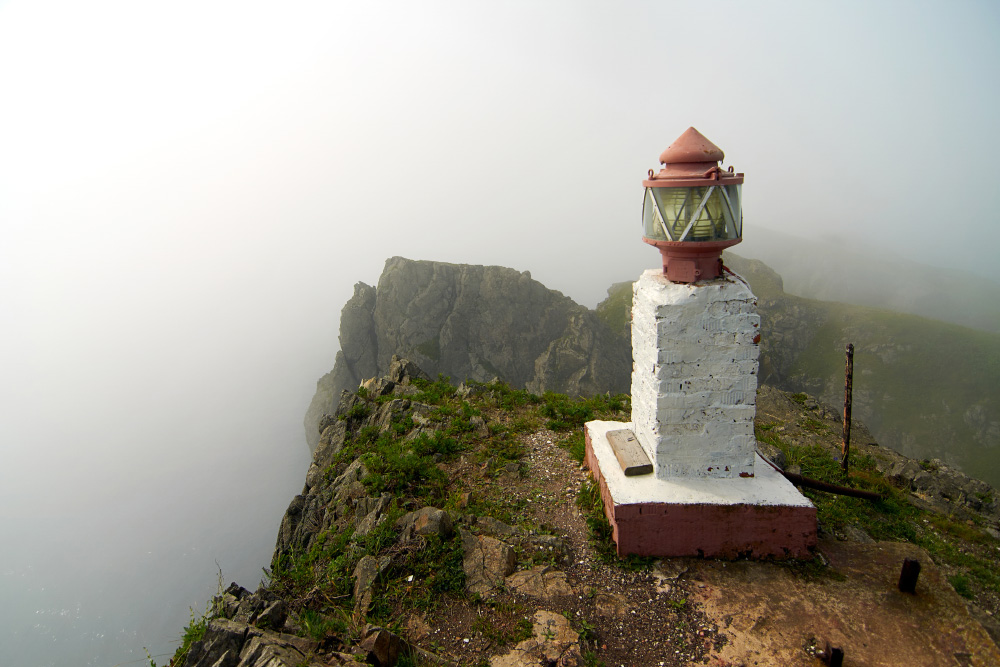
x=694, y=375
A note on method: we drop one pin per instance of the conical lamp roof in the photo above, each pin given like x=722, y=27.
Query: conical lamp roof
x=692, y=146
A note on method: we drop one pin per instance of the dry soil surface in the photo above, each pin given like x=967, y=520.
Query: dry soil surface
x=691, y=611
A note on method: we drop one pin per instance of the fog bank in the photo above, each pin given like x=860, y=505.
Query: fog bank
x=189, y=191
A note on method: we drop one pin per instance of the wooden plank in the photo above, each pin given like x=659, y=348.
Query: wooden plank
x=630, y=454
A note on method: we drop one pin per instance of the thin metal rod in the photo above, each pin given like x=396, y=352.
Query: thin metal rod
x=810, y=483
x=848, y=390
x=731, y=218
x=697, y=212
x=659, y=216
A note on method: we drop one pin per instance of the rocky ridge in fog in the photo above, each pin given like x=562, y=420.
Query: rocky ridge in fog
x=927, y=388
x=471, y=322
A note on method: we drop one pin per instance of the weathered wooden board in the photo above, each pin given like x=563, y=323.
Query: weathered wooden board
x=630, y=454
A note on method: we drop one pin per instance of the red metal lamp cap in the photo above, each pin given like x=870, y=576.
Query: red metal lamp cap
x=692, y=146
x=690, y=161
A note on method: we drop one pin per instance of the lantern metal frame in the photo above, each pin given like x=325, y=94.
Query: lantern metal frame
x=691, y=164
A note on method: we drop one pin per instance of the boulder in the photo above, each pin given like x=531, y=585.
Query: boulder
x=554, y=643
x=486, y=561
x=372, y=513
x=366, y=572
x=220, y=646
x=271, y=650
x=383, y=648
x=425, y=521
x=542, y=582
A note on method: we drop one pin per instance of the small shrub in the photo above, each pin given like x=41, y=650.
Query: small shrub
x=961, y=585
x=318, y=626
x=814, y=425
x=194, y=632
x=434, y=393
x=563, y=413
x=508, y=399
x=576, y=445
x=422, y=579
x=357, y=412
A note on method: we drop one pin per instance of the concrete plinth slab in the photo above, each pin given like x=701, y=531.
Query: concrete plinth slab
x=759, y=516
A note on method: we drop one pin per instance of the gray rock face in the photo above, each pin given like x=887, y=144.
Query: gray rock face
x=355, y=360
x=250, y=633
x=487, y=561
x=471, y=322
x=425, y=521
x=553, y=642
x=319, y=508
x=541, y=581
x=366, y=572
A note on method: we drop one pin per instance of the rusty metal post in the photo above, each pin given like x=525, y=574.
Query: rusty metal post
x=833, y=656
x=908, y=576
x=848, y=390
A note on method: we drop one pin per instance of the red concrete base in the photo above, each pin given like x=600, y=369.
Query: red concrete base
x=764, y=516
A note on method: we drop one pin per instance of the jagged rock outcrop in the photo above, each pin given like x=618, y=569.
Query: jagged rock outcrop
x=471, y=322
x=553, y=642
x=250, y=632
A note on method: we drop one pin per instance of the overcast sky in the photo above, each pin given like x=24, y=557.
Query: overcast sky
x=189, y=190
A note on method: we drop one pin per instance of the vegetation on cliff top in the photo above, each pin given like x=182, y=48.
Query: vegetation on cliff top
x=469, y=457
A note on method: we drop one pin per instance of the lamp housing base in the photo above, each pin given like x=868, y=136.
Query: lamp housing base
x=691, y=261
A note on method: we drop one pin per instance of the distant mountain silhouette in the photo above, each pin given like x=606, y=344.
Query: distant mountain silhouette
x=835, y=271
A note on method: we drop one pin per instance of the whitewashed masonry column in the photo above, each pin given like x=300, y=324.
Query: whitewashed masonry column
x=694, y=375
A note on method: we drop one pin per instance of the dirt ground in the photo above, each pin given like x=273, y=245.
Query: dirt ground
x=630, y=618
x=692, y=611
x=772, y=614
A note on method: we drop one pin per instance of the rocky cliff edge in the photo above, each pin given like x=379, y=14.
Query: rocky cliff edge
x=455, y=526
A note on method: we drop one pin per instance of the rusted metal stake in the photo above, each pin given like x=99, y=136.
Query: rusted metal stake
x=833, y=656
x=848, y=390
x=908, y=576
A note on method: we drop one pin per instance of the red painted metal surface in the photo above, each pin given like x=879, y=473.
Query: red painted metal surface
x=691, y=261
x=692, y=146
x=692, y=161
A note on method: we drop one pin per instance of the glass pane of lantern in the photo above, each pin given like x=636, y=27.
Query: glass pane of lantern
x=714, y=217
x=711, y=222
x=652, y=227
x=676, y=206
x=736, y=197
